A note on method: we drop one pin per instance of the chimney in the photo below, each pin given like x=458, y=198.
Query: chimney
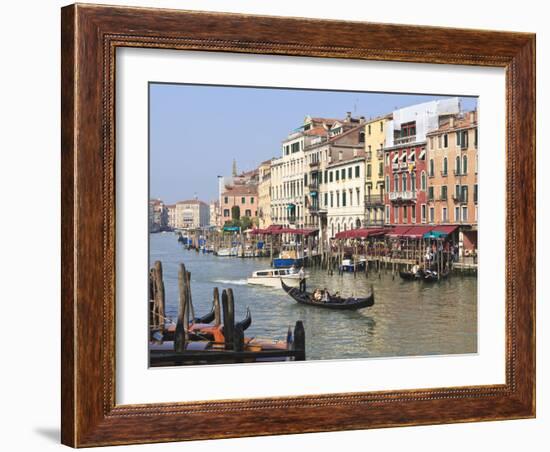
x=361, y=119
x=451, y=122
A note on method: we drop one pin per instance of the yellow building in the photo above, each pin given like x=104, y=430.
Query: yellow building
x=375, y=141
x=264, y=194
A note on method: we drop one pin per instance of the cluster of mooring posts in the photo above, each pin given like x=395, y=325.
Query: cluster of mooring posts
x=214, y=338
x=365, y=250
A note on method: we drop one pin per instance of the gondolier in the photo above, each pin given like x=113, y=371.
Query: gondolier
x=302, y=276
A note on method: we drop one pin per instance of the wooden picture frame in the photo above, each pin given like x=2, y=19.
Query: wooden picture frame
x=90, y=36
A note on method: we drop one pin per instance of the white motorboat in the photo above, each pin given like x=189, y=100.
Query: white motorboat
x=272, y=277
x=227, y=252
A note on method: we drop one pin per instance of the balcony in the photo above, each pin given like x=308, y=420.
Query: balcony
x=374, y=200
x=314, y=164
x=400, y=196
x=314, y=186
x=316, y=210
x=460, y=199
x=404, y=140
x=292, y=219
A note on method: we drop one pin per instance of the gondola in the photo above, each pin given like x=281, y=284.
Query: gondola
x=333, y=303
x=245, y=323
x=207, y=318
x=409, y=276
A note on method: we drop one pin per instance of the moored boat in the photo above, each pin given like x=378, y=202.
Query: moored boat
x=332, y=302
x=227, y=252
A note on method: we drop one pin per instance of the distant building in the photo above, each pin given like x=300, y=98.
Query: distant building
x=192, y=214
x=239, y=201
x=171, y=216
x=264, y=194
x=158, y=217
x=214, y=213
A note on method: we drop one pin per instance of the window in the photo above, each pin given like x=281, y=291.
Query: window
x=445, y=166
x=361, y=137
x=388, y=182
x=247, y=213
x=226, y=212
x=380, y=169
x=350, y=197
x=243, y=200
x=457, y=214
x=462, y=139
x=369, y=171
x=423, y=213
x=350, y=176
x=413, y=182
x=337, y=174
x=431, y=173
x=330, y=176
x=326, y=199
x=444, y=218
x=252, y=200
x=387, y=214
x=423, y=181
x=413, y=213
x=405, y=216
x=464, y=213
x=369, y=127
x=430, y=193
x=475, y=138
x=457, y=165
x=343, y=175
x=295, y=147
x=337, y=199
x=464, y=164
x=381, y=126
x=331, y=199
x=439, y=142
x=387, y=158
x=475, y=193
x=445, y=141
x=464, y=193
x=432, y=214
x=396, y=214
x=225, y=199
x=358, y=193
x=343, y=198
x=443, y=193
x=357, y=170
x=395, y=182
x=404, y=182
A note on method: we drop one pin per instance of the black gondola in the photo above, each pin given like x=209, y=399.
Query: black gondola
x=410, y=276
x=333, y=303
x=207, y=318
x=426, y=276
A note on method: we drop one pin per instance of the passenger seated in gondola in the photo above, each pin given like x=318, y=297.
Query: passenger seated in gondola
x=326, y=296
x=317, y=295
x=415, y=268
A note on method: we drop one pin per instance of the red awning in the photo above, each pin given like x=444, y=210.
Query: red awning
x=359, y=233
x=417, y=232
x=446, y=229
x=398, y=231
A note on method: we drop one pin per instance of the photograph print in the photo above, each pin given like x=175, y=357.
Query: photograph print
x=295, y=225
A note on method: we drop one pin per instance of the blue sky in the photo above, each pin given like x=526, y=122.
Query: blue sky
x=196, y=131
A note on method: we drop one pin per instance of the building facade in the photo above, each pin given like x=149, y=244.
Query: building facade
x=375, y=142
x=214, y=213
x=158, y=216
x=452, y=175
x=405, y=159
x=264, y=194
x=171, y=215
x=239, y=201
x=192, y=213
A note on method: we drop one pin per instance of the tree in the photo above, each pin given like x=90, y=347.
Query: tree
x=235, y=212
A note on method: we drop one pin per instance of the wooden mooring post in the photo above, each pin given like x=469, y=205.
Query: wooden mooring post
x=180, y=335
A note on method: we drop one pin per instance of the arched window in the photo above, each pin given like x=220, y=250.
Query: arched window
x=464, y=165
x=413, y=182
x=404, y=182
x=432, y=168
x=395, y=182
x=423, y=181
x=357, y=223
x=445, y=166
x=457, y=165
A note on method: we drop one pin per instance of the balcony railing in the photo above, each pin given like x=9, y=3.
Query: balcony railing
x=292, y=220
x=403, y=140
x=402, y=195
x=374, y=200
x=314, y=164
x=313, y=186
x=460, y=199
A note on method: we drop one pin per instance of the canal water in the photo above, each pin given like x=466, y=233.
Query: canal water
x=408, y=318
